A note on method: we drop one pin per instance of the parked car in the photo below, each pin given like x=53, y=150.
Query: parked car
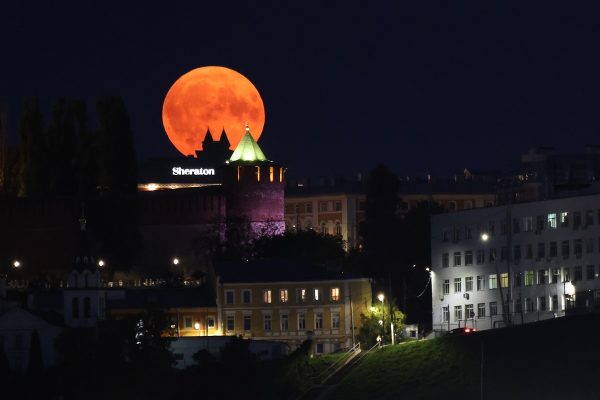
x=461, y=331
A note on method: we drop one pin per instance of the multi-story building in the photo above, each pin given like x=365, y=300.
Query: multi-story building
x=337, y=207
x=515, y=264
x=282, y=301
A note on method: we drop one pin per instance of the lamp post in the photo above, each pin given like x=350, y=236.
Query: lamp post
x=381, y=297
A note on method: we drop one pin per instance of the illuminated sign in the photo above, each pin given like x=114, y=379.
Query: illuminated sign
x=193, y=171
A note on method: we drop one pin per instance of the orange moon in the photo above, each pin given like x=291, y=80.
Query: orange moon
x=214, y=98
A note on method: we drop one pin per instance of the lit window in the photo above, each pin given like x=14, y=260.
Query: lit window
x=271, y=174
x=335, y=294
x=504, y=279
x=529, y=278
x=257, y=173
x=316, y=294
x=552, y=220
x=283, y=295
x=564, y=219
x=210, y=322
x=493, y=281
x=267, y=296
x=301, y=295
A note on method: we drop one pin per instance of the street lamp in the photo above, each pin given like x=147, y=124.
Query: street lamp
x=16, y=264
x=175, y=261
x=485, y=237
x=101, y=263
x=381, y=297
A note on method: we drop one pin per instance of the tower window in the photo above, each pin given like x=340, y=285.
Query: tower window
x=271, y=174
x=258, y=174
x=238, y=173
x=280, y=174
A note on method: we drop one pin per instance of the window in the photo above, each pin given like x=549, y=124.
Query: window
x=210, y=322
x=566, y=274
x=552, y=221
x=323, y=206
x=267, y=296
x=267, y=322
x=578, y=274
x=87, y=307
x=480, y=257
x=309, y=207
x=529, y=278
x=335, y=320
x=518, y=306
x=554, y=302
x=493, y=308
x=527, y=224
x=246, y=296
x=493, y=281
x=230, y=324
x=301, y=321
x=319, y=348
x=452, y=205
x=542, y=303
x=316, y=294
x=469, y=313
x=517, y=252
x=589, y=218
x=188, y=323
x=492, y=228
x=284, y=322
x=553, y=249
x=565, y=248
x=469, y=232
x=529, y=251
x=555, y=275
x=576, y=219
x=590, y=272
x=468, y=204
x=589, y=245
x=518, y=279
x=319, y=320
x=457, y=259
x=301, y=295
x=539, y=223
x=492, y=255
x=516, y=226
x=444, y=235
x=541, y=250
x=504, y=279
x=577, y=248
x=335, y=294
x=564, y=219
x=480, y=282
x=457, y=285
x=446, y=286
x=229, y=297
x=247, y=322
x=457, y=313
x=542, y=274
x=75, y=308
x=469, y=284
x=468, y=257
x=481, y=310
x=445, y=314
x=338, y=205
x=503, y=253
x=338, y=229
x=283, y=295
x=445, y=260
x=528, y=304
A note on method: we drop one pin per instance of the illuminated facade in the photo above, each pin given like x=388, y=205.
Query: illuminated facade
x=533, y=261
x=279, y=301
x=338, y=207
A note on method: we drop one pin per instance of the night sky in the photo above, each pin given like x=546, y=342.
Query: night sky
x=427, y=88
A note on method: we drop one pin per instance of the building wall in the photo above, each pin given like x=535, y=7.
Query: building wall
x=353, y=299
x=539, y=278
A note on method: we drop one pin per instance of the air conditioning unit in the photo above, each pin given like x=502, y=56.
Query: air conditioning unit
x=466, y=296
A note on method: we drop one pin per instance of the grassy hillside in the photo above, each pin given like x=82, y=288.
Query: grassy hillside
x=548, y=360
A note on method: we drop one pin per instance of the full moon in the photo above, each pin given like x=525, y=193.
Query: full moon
x=214, y=98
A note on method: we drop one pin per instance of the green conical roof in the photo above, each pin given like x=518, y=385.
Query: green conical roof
x=247, y=149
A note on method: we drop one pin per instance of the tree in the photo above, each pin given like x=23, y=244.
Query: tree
x=377, y=323
x=36, y=364
x=33, y=162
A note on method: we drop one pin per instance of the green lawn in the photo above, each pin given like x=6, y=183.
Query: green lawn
x=553, y=359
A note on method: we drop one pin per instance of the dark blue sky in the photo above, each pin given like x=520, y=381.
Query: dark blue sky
x=433, y=87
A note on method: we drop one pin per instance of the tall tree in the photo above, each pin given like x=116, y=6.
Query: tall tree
x=117, y=179
x=36, y=363
x=33, y=172
x=62, y=147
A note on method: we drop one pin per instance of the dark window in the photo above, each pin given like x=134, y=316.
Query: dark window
x=75, y=307
x=247, y=322
x=87, y=307
x=578, y=276
x=590, y=272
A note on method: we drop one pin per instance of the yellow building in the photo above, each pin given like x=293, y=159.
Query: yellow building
x=283, y=301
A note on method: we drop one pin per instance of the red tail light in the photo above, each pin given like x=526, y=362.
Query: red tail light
x=467, y=330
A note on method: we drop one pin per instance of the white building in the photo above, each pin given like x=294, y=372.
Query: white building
x=533, y=260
